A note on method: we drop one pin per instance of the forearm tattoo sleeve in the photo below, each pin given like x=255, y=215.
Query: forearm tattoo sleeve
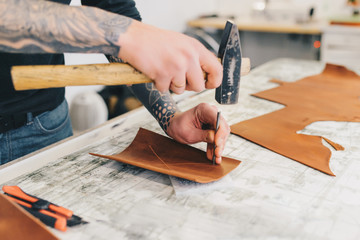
x=37, y=26
x=161, y=105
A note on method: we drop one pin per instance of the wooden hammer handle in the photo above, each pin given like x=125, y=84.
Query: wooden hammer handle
x=52, y=76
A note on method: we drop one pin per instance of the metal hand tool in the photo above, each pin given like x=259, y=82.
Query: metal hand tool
x=49, y=213
x=216, y=129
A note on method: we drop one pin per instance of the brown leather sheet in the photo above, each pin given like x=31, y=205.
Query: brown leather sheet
x=16, y=223
x=332, y=95
x=158, y=153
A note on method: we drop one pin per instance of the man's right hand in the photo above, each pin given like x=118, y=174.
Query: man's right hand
x=173, y=60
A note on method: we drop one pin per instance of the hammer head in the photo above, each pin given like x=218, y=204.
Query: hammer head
x=230, y=55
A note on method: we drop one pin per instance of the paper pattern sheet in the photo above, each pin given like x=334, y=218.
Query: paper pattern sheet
x=183, y=187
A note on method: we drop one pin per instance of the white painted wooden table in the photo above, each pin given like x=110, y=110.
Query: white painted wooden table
x=270, y=196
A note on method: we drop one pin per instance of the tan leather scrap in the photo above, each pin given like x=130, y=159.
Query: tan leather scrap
x=158, y=153
x=16, y=223
x=332, y=95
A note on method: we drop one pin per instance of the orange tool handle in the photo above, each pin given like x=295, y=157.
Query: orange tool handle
x=17, y=192
x=61, y=210
x=58, y=222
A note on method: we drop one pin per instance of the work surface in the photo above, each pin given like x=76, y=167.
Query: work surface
x=264, y=25
x=268, y=196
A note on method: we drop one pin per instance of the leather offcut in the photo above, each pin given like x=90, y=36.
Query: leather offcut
x=332, y=95
x=161, y=154
x=16, y=223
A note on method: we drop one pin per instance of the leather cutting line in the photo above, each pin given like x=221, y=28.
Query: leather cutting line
x=160, y=158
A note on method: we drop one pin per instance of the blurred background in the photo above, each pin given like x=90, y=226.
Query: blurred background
x=322, y=30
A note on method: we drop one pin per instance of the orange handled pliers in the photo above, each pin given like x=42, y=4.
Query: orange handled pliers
x=49, y=213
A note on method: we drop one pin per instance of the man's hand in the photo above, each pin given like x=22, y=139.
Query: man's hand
x=188, y=128
x=173, y=60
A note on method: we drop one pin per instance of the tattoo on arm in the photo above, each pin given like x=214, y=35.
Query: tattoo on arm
x=37, y=26
x=161, y=105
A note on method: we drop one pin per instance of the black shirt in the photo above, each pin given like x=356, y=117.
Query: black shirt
x=12, y=101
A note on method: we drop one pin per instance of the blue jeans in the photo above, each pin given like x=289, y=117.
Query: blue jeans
x=40, y=131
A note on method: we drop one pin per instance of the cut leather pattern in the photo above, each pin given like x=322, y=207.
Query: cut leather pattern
x=158, y=153
x=332, y=95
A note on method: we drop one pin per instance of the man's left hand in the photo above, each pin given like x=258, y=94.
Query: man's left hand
x=198, y=125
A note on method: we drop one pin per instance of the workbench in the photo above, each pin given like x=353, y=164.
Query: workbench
x=269, y=196
x=263, y=39
x=262, y=25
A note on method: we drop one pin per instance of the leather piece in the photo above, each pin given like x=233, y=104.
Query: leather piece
x=161, y=154
x=16, y=223
x=332, y=95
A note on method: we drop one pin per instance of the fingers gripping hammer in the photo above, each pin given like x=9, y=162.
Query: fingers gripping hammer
x=51, y=76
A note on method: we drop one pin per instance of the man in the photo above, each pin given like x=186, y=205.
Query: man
x=32, y=31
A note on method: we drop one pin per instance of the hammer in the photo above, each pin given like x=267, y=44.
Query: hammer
x=53, y=76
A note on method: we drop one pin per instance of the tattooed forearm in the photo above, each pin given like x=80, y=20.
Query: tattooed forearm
x=160, y=105
x=37, y=26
